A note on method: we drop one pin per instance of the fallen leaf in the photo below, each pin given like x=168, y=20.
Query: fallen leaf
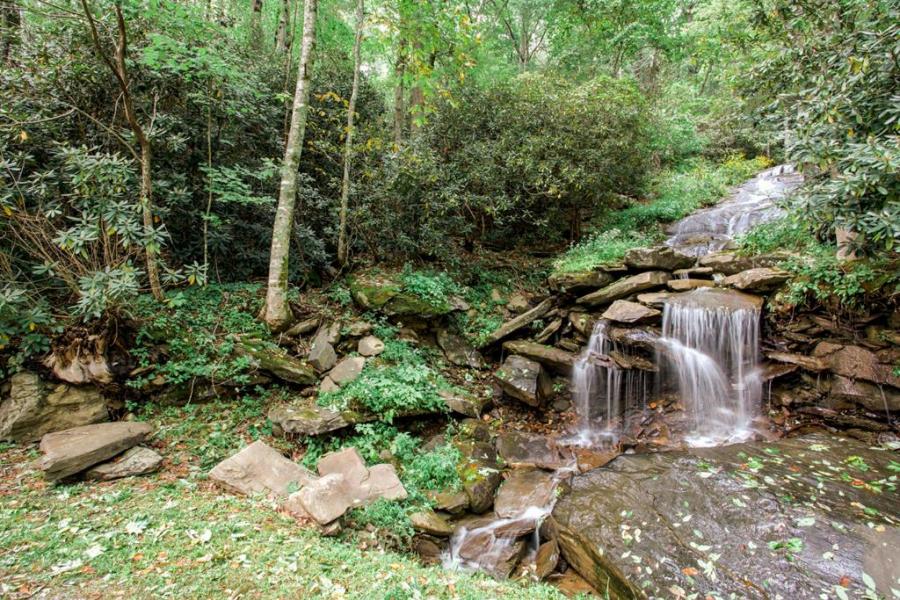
x=690, y=571
x=845, y=581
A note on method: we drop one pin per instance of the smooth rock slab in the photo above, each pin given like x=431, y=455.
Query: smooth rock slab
x=759, y=279
x=623, y=311
x=660, y=257
x=521, y=449
x=525, y=489
x=553, y=358
x=797, y=515
x=259, y=468
x=73, y=450
x=137, y=461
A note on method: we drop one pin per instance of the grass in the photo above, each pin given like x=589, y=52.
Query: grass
x=175, y=535
x=675, y=194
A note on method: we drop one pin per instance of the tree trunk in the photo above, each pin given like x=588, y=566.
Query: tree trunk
x=400, y=95
x=342, y=250
x=256, y=24
x=276, y=312
x=10, y=23
x=281, y=36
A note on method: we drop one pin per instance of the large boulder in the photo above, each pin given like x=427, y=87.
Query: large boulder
x=458, y=351
x=276, y=361
x=855, y=362
x=524, y=490
x=552, y=358
x=259, y=468
x=71, y=451
x=524, y=380
x=660, y=257
x=624, y=311
x=35, y=408
x=375, y=292
x=625, y=287
x=137, y=461
x=721, y=521
x=757, y=279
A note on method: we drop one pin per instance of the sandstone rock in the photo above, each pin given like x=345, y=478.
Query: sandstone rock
x=429, y=522
x=498, y=560
x=684, y=285
x=453, y=502
x=324, y=499
x=694, y=273
x=322, y=356
x=580, y=281
x=359, y=328
x=524, y=380
x=624, y=311
x=758, y=279
x=524, y=489
x=259, y=468
x=519, y=322
x=34, y=408
x=328, y=385
x=730, y=263
x=521, y=449
x=458, y=351
x=428, y=549
x=303, y=327
x=517, y=303
x=573, y=585
x=643, y=338
x=655, y=299
x=308, y=418
x=658, y=492
x=583, y=323
x=277, y=362
x=660, y=257
x=73, y=450
x=553, y=358
x=137, y=461
x=346, y=462
x=383, y=482
x=362, y=484
x=479, y=485
x=464, y=402
x=878, y=399
x=625, y=287
x=810, y=363
x=81, y=361
x=370, y=346
x=858, y=363
x=547, y=332
x=347, y=370
x=546, y=559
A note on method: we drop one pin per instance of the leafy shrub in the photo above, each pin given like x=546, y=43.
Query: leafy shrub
x=601, y=248
x=389, y=517
x=25, y=322
x=434, y=288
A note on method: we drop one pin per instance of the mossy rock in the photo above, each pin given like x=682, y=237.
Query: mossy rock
x=373, y=292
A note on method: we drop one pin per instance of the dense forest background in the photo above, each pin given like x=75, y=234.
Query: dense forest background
x=498, y=124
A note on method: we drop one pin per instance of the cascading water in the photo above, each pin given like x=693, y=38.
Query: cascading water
x=599, y=385
x=710, y=349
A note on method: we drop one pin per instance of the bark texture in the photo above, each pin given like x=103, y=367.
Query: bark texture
x=343, y=252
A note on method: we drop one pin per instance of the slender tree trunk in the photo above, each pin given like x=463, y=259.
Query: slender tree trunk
x=276, y=312
x=256, y=24
x=400, y=95
x=10, y=24
x=343, y=251
x=119, y=68
x=281, y=36
x=209, y=164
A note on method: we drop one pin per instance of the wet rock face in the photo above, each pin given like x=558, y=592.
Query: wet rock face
x=35, y=408
x=792, y=518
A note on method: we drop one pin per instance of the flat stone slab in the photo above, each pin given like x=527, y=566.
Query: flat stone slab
x=347, y=370
x=521, y=449
x=525, y=489
x=259, y=468
x=684, y=285
x=792, y=519
x=625, y=287
x=659, y=257
x=623, y=311
x=552, y=358
x=73, y=450
x=137, y=461
x=758, y=279
x=305, y=417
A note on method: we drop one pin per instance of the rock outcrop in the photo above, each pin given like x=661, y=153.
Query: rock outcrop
x=71, y=451
x=625, y=287
x=524, y=380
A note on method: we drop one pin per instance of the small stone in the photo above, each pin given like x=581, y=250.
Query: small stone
x=321, y=355
x=324, y=499
x=370, y=346
x=465, y=403
x=303, y=327
x=458, y=351
x=518, y=303
x=347, y=370
x=480, y=489
x=453, y=502
x=546, y=560
x=552, y=358
x=136, y=461
x=328, y=385
x=430, y=522
x=359, y=328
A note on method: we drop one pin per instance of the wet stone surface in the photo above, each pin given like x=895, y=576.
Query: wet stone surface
x=791, y=519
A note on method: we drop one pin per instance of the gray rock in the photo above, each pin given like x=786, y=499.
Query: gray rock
x=660, y=257
x=431, y=523
x=305, y=417
x=73, y=450
x=625, y=287
x=518, y=303
x=623, y=311
x=347, y=370
x=580, y=281
x=259, y=468
x=524, y=380
x=322, y=355
x=328, y=385
x=370, y=346
x=277, y=362
x=552, y=358
x=655, y=299
x=464, y=402
x=746, y=524
x=303, y=327
x=137, y=461
x=34, y=408
x=519, y=322
x=359, y=328
x=522, y=449
x=878, y=399
x=758, y=279
x=684, y=285
x=858, y=363
x=458, y=351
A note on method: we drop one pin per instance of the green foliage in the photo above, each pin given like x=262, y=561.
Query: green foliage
x=434, y=288
x=781, y=234
x=831, y=83
x=198, y=327
x=389, y=517
x=25, y=324
x=600, y=248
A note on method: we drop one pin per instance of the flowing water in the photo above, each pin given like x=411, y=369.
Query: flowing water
x=710, y=348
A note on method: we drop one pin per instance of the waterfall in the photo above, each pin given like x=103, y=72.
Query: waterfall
x=602, y=390
x=710, y=349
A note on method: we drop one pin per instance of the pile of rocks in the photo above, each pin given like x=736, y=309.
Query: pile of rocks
x=343, y=482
